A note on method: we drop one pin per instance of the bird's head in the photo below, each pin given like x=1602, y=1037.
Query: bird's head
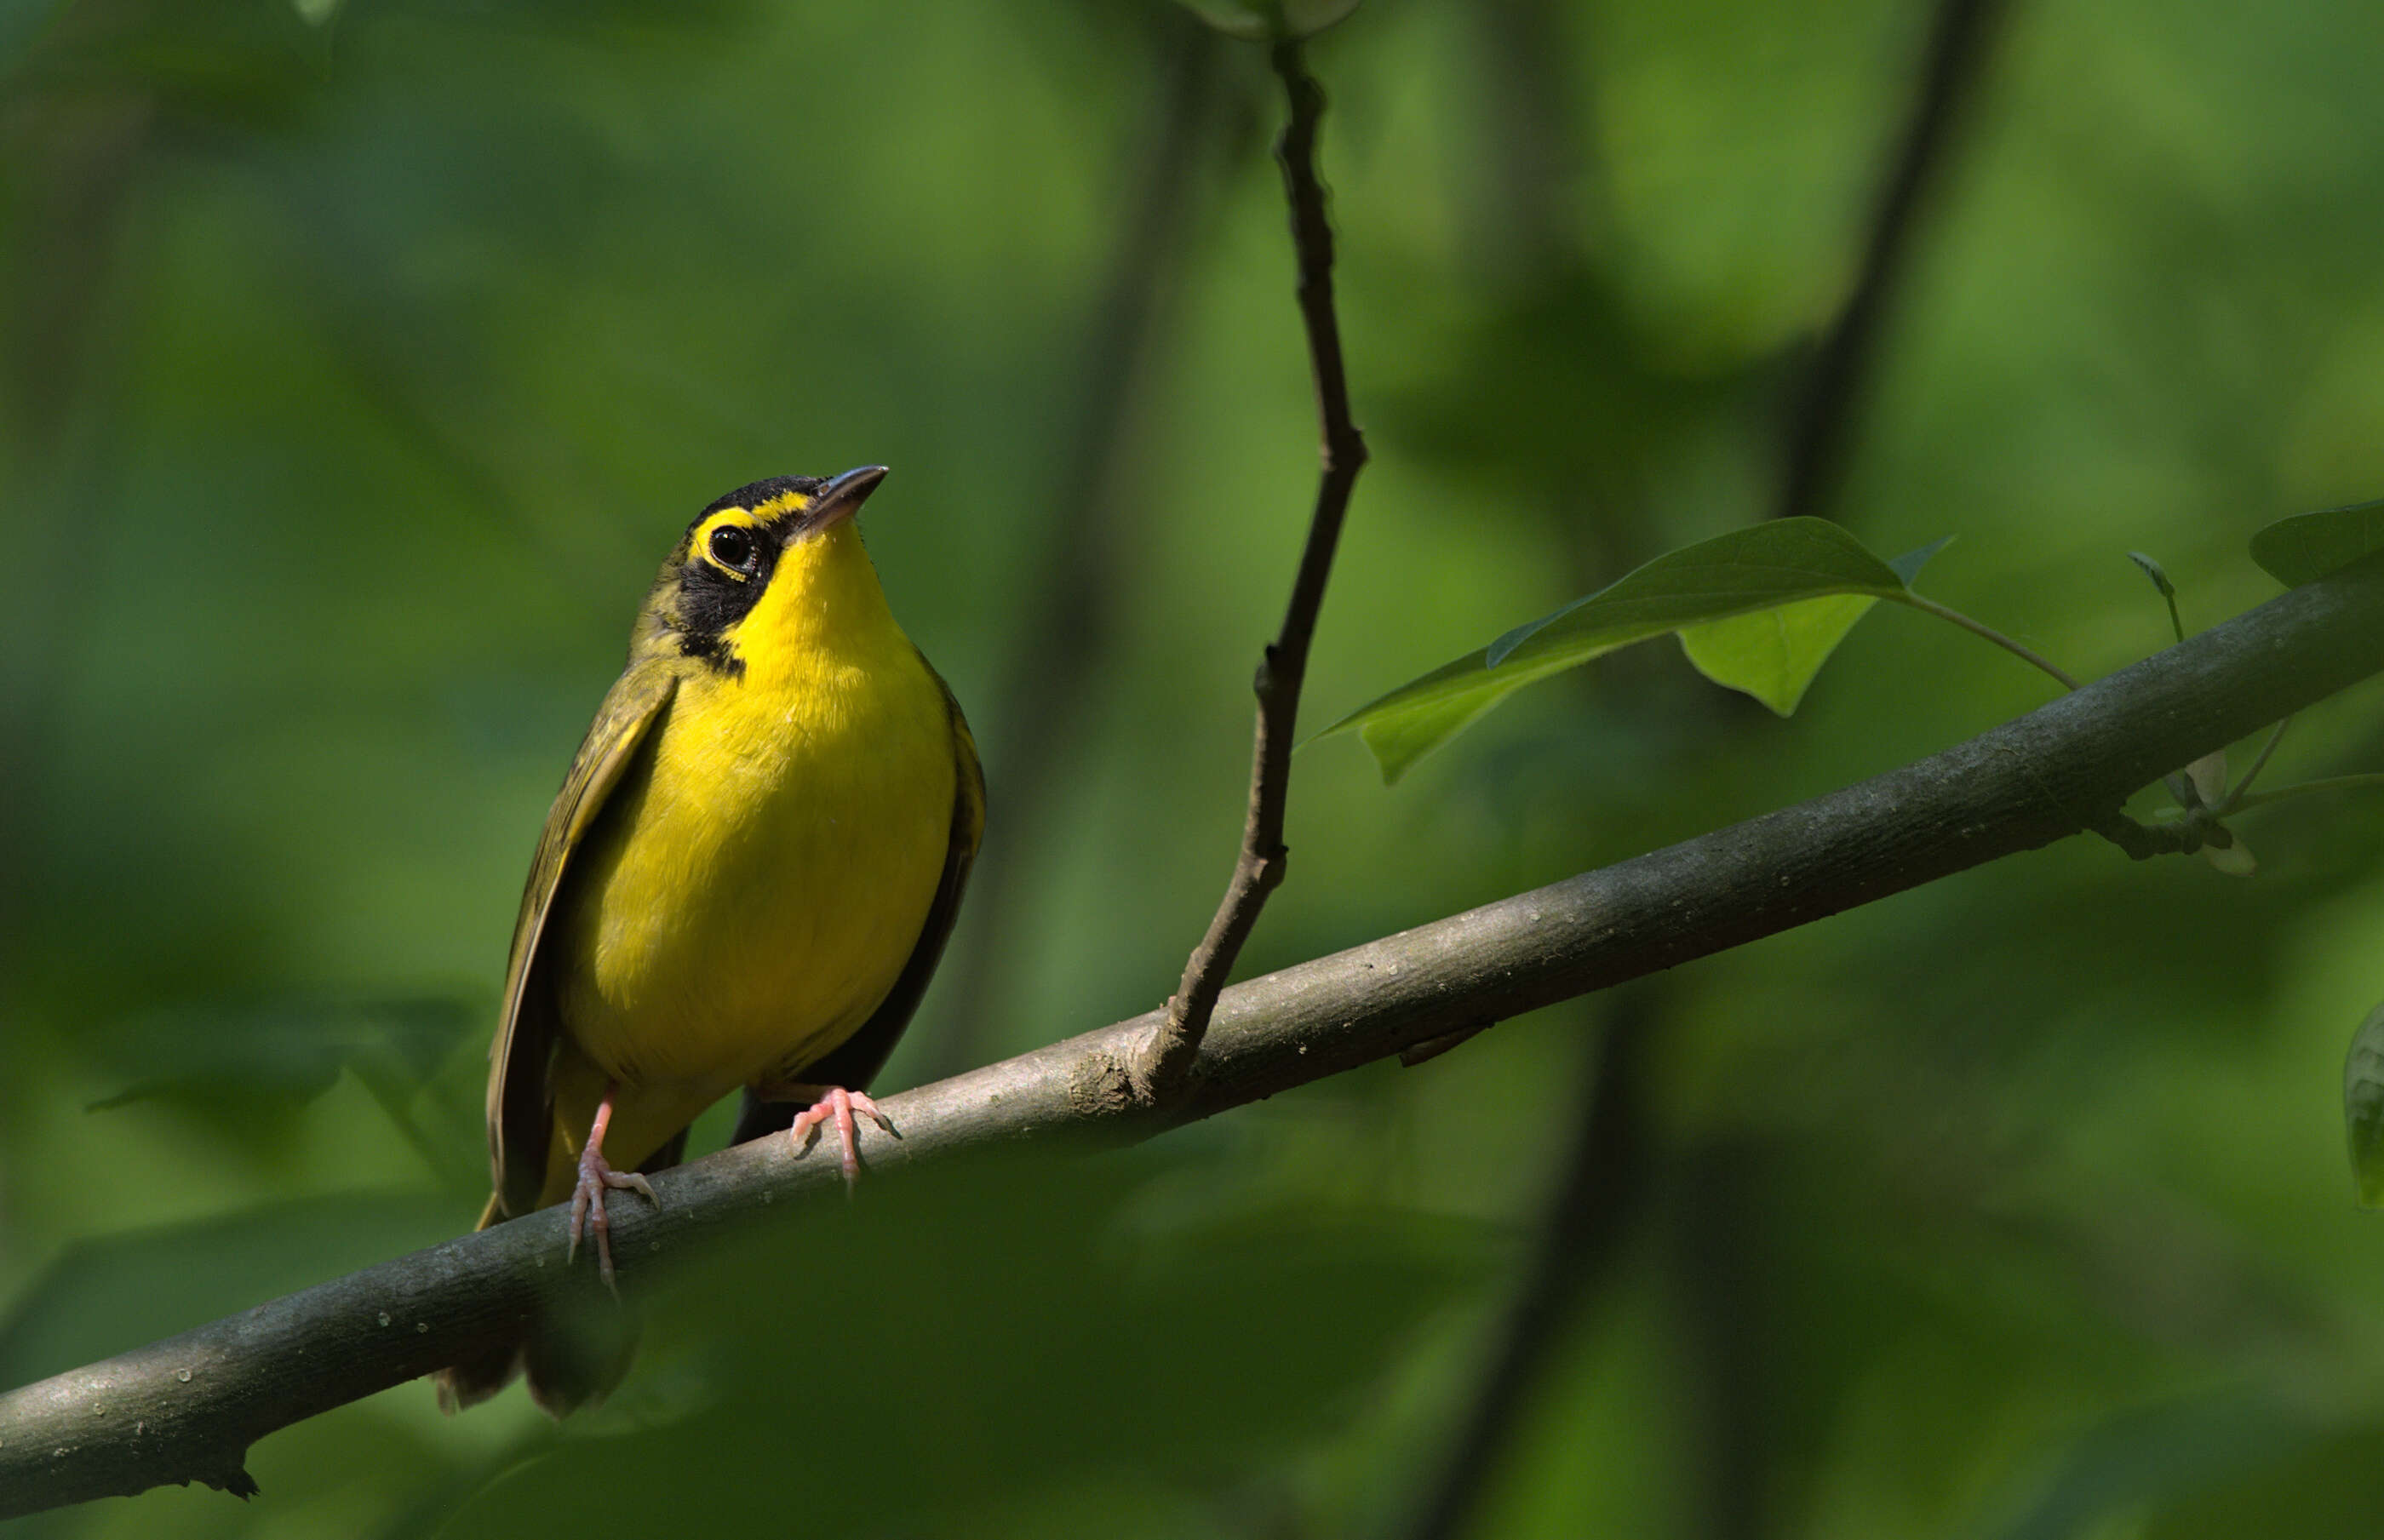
x=774, y=564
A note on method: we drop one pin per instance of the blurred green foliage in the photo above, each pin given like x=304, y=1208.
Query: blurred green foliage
x=358, y=362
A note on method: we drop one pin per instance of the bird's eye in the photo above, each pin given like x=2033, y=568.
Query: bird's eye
x=732, y=547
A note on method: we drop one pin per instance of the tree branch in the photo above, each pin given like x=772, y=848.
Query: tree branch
x=1605, y=1178
x=1960, y=38
x=1724, y=1256
x=1159, y=1066
x=187, y=1408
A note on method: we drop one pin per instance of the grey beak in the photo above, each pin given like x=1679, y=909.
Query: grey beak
x=842, y=498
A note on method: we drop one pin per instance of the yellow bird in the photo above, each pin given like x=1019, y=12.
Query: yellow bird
x=746, y=881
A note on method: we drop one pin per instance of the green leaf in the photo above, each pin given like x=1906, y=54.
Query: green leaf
x=1907, y=566
x=1271, y=21
x=1413, y=720
x=1774, y=654
x=1746, y=569
x=2234, y=859
x=2306, y=547
x=2208, y=774
x=2362, y=1107
x=1786, y=562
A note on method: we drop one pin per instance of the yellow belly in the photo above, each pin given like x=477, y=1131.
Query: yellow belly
x=756, y=886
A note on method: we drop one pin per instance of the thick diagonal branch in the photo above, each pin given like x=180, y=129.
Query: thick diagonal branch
x=1161, y=1065
x=187, y=1408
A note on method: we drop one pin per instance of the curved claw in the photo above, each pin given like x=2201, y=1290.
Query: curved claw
x=837, y=1105
x=596, y=1174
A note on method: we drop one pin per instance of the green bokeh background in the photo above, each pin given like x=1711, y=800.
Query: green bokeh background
x=361, y=360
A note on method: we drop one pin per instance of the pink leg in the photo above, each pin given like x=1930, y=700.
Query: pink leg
x=837, y=1105
x=588, y=1198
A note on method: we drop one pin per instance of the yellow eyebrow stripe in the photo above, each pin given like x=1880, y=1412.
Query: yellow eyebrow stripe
x=785, y=503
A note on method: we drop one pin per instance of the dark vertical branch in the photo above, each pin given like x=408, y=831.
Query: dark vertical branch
x=1718, y=1244
x=1721, y=1253
x=1605, y=1179
x=1716, y=1228
x=1539, y=204
x=1040, y=706
x=1536, y=141
x=1163, y=1062
x=1960, y=40
x=73, y=164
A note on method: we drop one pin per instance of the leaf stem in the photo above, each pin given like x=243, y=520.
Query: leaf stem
x=2023, y=653
x=2235, y=798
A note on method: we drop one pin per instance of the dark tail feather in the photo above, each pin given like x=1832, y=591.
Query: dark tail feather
x=760, y=1117
x=570, y=1362
x=578, y=1362
x=475, y=1379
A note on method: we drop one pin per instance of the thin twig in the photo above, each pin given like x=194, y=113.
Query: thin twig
x=1960, y=40
x=1160, y=1069
x=187, y=1408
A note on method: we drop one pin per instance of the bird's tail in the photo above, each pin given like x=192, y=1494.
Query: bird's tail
x=479, y=1377
x=569, y=1362
x=573, y=1358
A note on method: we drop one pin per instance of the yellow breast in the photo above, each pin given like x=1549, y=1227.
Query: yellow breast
x=759, y=880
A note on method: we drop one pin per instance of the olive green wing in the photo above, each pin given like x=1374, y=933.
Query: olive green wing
x=855, y=1062
x=530, y=1027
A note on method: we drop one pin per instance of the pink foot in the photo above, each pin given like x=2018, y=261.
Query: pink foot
x=588, y=1198
x=836, y=1104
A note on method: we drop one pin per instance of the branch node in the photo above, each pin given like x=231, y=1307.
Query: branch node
x=1160, y=1069
x=1101, y=1085
x=2144, y=841
x=1433, y=1048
